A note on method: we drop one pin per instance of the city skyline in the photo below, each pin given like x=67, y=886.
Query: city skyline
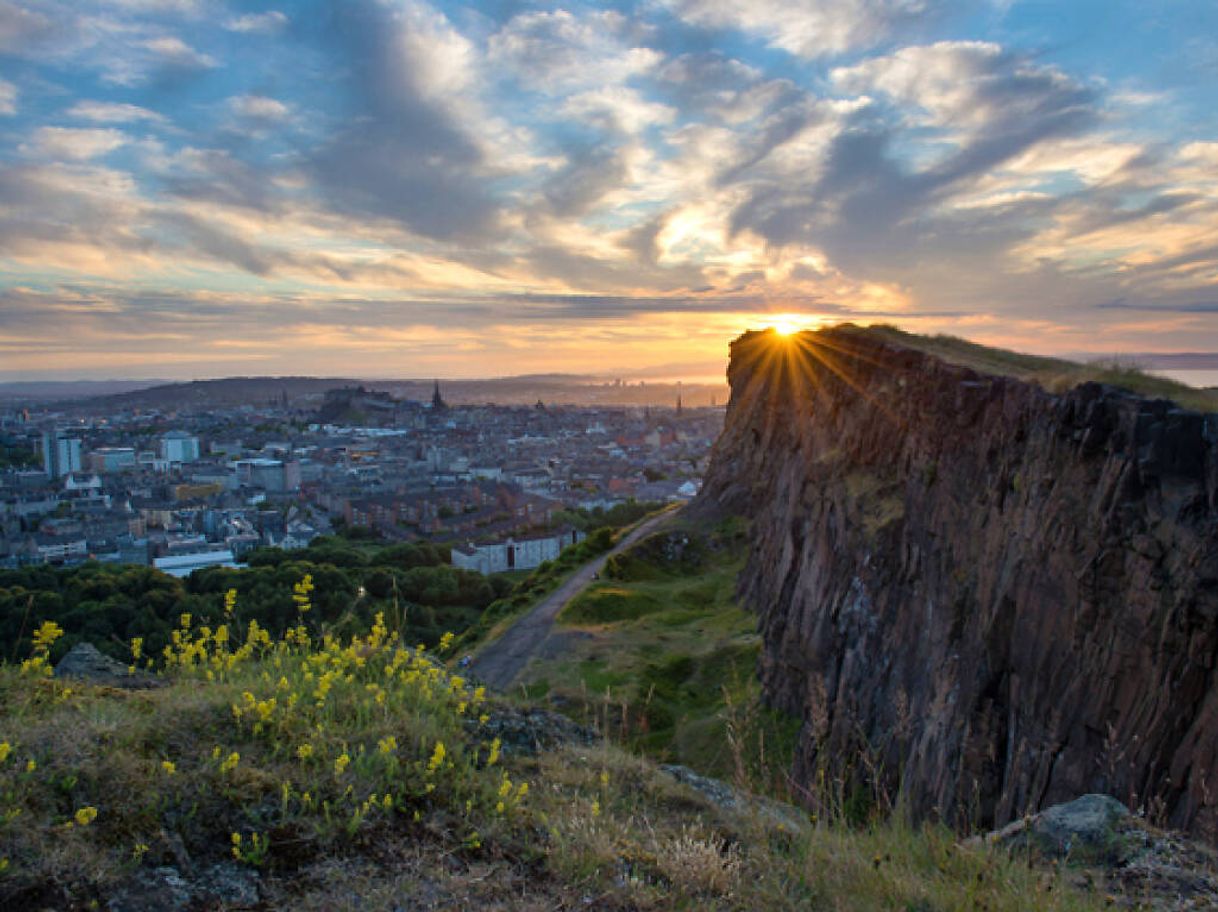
x=386, y=188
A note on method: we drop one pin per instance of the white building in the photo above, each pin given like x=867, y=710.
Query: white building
x=511, y=554
x=60, y=454
x=178, y=446
x=185, y=564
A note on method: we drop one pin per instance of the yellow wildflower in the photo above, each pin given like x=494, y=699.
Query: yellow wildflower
x=85, y=816
x=5, y=750
x=230, y=762
x=305, y=751
x=437, y=757
x=596, y=808
x=47, y=634
x=341, y=763
x=388, y=745
x=169, y=767
x=30, y=765
x=493, y=756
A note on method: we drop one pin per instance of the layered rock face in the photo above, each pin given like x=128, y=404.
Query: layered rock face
x=1009, y=597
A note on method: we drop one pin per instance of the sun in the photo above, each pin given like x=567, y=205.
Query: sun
x=788, y=324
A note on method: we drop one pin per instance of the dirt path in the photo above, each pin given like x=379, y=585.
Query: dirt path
x=500, y=662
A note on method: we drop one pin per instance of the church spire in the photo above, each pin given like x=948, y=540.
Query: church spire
x=437, y=402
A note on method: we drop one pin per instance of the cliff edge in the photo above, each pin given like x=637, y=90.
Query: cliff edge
x=1003, y=597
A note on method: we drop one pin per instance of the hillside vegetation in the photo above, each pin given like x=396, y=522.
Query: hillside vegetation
x=659, y=657
x=1053, y=374
x=311, y=772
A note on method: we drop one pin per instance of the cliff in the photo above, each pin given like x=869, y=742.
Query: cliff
x=1002, y=597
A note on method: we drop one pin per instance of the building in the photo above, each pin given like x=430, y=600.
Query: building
x=56, y=549
x=525, y=554
x=108, y=460
x=181, y=565
x=60, y=454
x=178, y=446
x=274, y=476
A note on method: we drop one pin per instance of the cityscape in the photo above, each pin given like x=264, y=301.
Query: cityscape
x=187, y=488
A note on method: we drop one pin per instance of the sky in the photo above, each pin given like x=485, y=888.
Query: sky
x=381, y=188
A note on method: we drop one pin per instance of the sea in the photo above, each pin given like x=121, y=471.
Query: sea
x=1192, y=376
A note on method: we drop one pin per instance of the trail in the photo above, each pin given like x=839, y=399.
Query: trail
x=500, y=662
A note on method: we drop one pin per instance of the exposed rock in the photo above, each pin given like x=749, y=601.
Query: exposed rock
x=1090, y=824
x=165, y=889
x=527, y=731
x=83, y=661
x=158, y=889
x=1007, y=597
x=1107, y=848
x=730, y=798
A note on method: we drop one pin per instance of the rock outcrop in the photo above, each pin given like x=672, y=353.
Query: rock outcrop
x=84, y=662
x=1006, y=598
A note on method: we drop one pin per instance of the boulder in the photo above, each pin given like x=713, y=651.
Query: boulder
x=84, y=662
x=527, y=731
x=1089, y=827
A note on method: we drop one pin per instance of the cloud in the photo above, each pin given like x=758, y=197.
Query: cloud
x=871, y=206
x=1156, y=306
x=556, y=52
x=72, y=144
x=259, y=108
x=173, y=51
x=809, y=28
x=970, y=86
x=271, y=21
x=189, y=7
x=8, y=97
x=407, y=154
x=112, y=112
x=617, y=109
x=21, y=28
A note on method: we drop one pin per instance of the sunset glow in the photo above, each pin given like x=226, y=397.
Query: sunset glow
x=786, y=325
x=195, y=188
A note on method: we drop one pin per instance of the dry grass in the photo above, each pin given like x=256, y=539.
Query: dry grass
x=1053, y=374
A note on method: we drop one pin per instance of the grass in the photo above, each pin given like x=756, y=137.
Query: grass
x=532, y=587
x=363, y=769
x=539, y=583
x=1053, y=374
x=659, y=657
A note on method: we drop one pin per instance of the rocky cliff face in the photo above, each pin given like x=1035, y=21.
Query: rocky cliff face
x=1010, y=596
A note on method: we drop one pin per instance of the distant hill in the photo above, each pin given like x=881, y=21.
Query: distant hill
x=226, y=392
x=53, y=390
x=308, y=392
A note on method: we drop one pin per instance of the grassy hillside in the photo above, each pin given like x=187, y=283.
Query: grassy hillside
x=310, y=773
x=658, y=656
x=1054, y=374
